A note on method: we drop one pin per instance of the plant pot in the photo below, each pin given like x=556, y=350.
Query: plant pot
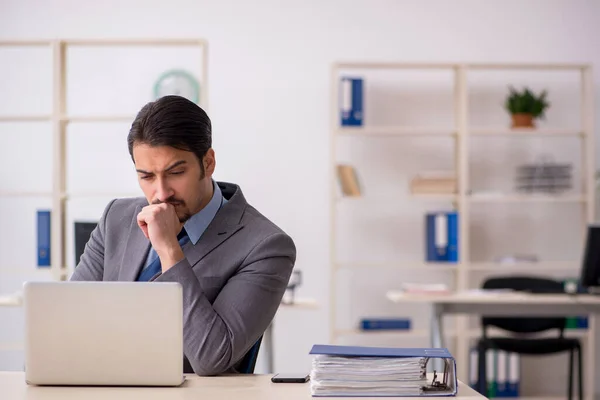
x=522, y=121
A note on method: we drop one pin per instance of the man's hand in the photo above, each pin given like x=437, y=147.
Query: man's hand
x=160, y=225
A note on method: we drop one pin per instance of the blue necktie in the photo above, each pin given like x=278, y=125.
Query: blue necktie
x=155, y=267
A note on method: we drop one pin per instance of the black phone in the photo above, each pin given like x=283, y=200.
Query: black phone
x=290, y=378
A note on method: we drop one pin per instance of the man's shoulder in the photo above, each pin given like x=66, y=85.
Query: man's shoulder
x=260, y=226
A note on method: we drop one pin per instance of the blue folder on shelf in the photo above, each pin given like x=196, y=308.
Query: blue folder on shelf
x=350, y=371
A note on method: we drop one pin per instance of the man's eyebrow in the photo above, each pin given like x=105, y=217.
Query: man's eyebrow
x=175, y=165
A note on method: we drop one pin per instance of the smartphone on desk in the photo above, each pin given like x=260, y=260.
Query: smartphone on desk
x=290, y=378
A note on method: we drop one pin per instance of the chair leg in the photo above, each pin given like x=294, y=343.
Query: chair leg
x=580, y=372
x=570, y=390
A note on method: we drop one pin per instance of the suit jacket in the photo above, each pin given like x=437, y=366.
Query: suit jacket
x=233, y=279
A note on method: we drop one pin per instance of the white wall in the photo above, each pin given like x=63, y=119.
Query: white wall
x=269, y=87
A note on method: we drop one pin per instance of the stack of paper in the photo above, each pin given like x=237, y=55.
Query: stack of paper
x=367, y=376
x=373, y=371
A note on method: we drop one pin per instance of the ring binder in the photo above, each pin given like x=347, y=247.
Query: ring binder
x=377, y=371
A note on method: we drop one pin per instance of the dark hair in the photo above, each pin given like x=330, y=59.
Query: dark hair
x=172, y=121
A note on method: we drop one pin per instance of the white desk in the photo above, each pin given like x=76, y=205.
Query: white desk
x=509, y=304
x=241, y=387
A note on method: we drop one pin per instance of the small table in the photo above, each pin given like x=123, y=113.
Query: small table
x=508, y=304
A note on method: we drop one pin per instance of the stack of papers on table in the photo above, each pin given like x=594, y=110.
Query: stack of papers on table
x=378, y=371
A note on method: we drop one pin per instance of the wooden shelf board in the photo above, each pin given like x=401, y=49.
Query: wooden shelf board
x=395, y=131
x=524, y=198
x=17, y=43
x=25, y=118
x=572, y=333
x=24, y=194
x=401, y=266
x=420, y=333
x=98, y=118
x=524, y=132
x=393, y=65
x=87, y=195
x=539, y=66
x=135, y=42
x=435, y=197
x=540, y=266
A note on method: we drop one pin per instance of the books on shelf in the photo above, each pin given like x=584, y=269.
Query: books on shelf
x=43, y=237
x=348, y=180
x=351, y=99
x=377, y=371
x=441, y=236
x=503, y=373
x=434, y=182
x=380, y=324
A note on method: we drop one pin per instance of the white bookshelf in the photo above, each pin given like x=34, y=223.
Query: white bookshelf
x=462, y=135
x=60, y=119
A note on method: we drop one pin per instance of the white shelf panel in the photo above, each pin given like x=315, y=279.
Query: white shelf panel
x=384, y=332
x=571, y=333
x=394, y=65
x=90, y=195
x=540, y=66
x=524, y=266
x=134, y=42
x=402, y=265
x=435, y=197
x=19, y=43
x=25, y=194
x=395, y=131
x=99, y=118
x=524, y=198
x=24, y=118
x=417, y=333
x=525, y=132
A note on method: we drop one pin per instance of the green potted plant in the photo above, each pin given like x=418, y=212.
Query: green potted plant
x=525, y=106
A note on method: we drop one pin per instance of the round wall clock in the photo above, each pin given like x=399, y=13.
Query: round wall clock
x=177, y=82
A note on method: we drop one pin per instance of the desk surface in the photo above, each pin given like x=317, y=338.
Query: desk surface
x=477, y=297
x=13, y=387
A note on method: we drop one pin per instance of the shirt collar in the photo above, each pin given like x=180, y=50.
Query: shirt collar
x=197, y=224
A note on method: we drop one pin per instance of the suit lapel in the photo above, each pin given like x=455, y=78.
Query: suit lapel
x=135, y=251
x=216, y=233
x=226, y=223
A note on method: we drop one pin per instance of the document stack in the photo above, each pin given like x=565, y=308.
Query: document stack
x=377, y=371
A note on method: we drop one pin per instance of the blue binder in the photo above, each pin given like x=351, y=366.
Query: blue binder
x=384, y=323
x=351, y=107
x=441, y=237
x=43, y=238
x=385, y=352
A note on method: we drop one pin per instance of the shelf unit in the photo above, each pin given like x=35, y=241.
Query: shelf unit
x=60, y=119
x=461, y=135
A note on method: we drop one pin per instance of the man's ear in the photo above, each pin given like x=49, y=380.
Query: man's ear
x=209, y=162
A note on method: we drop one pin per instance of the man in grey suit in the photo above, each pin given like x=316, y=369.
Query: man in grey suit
x=232, y=262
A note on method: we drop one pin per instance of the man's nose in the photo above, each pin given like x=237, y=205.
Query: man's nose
x=163, y=191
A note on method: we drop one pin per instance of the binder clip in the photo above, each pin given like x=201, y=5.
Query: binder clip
x=437, y=386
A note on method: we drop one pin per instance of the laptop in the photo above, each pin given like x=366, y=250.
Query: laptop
x=103, y=333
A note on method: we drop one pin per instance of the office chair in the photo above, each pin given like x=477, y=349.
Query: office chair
x=245, y=366
x=248, y=363
x=524, y=326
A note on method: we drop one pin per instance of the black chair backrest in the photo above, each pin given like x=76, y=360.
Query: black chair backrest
x=525, y=324
x=248, y=363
